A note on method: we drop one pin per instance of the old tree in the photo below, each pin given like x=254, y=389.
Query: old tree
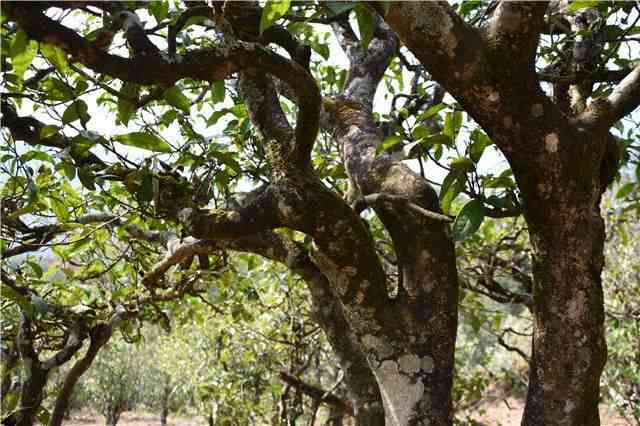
x=329, y=176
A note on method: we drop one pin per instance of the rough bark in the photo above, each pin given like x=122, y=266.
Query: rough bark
x=561, y=195
x=415, y=371
x=100, y=335
x=408, y=340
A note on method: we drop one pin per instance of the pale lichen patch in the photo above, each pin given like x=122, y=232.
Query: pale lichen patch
x=569, y=406
x=409, y=363
x=551, y=142
x=399, y=394
x=378, y=346
x=576, y=306
x=426, y=364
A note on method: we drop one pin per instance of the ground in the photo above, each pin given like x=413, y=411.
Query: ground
x=497, y=412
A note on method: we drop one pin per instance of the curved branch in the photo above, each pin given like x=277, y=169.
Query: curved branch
x=514, y=29
x=100, y=335
x=204, y=64
x=624, y=99
x=366, y=67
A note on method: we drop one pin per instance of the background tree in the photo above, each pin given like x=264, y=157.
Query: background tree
x=385, y=293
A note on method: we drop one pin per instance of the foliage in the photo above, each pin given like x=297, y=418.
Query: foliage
x=96, y=173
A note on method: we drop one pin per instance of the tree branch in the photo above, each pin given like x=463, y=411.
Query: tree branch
x=317, y=393
x=624, y=99
x=375, y=198
x=513, y=32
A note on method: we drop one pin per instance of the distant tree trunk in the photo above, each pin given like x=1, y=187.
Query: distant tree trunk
x=112, y=417
x=164, y=409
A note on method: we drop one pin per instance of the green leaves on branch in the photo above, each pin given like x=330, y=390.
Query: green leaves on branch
x=144, y=141
x=78, y=110
x=273, y=10
x=174, y=97
x=454, y=182
x=56, y=56
x=468, y=220
x=452, y=124
x=22, y=52
x=366, y=24
x=479, y=141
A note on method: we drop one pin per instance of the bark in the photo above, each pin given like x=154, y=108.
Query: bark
x=567, y=234
x=100, y=335
x=561, y=195
x=414, y=370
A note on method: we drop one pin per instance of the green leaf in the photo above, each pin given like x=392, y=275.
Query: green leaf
x=389, y=142
x=77, y=110
x=23, y=51
x=447, y=197
x=366, y=24
x=273, y=10
x=144, y=141
x=434, y=110
x=462, y=164
x=452, y=124
x=338, y=7
x=420, y=132
x=35, y=266
x=468, y=220
x=48, y=131
x=125, y=108
x=87, y=178
x=625, y=190
x=218, y=92
x=174, y=97
x=19, y=44
x=159, y=9
x=59, y=209
x=437, y=139
x=582, y=4
x=479, y=142
x=56, y=56
x=321, y=49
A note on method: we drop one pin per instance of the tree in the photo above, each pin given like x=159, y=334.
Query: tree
x=395, y=340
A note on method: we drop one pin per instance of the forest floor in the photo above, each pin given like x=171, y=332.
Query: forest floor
x=507, y=411
x=497, y=412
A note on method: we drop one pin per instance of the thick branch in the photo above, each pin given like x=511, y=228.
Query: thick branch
x=99, y=337
x=366, y=67
x=514, y=29
x=72, y=345
x=204, y=64
x=624, y=99
x=440, y=39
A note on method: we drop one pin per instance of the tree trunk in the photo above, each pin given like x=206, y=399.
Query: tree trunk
x=164, y=410
x=32, y=393
x=567, y=234
x=112, y=416
x=569, y=348
x=99, y=337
